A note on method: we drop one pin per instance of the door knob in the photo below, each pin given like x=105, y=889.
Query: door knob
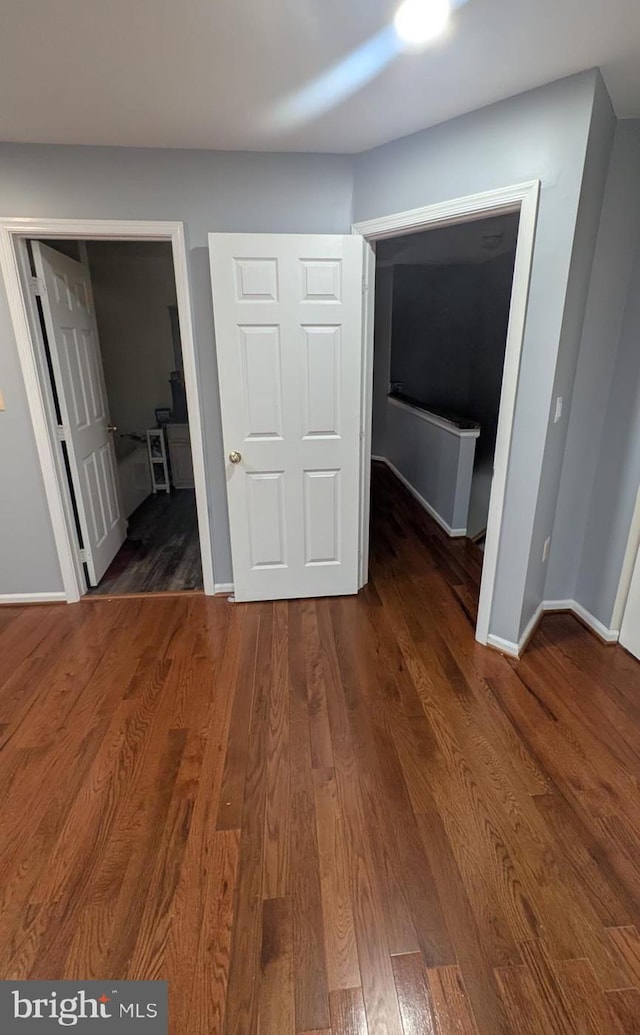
x=235, y=457
x=112, y=428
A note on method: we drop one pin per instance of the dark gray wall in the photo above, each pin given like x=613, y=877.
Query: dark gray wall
x=539, y=135
x=496, y=281
x=435, y=332
x=448, y=338
x=381, y=358
x=588, y=546
x=209, y=191
x=133, y=287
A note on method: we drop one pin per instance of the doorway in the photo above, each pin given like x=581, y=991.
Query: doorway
x=137, y=370
x=442, y=311
x=520, y=201
x=167, y=548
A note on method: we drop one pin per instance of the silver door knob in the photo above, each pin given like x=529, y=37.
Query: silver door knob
x=235, y=457
x=112, y=428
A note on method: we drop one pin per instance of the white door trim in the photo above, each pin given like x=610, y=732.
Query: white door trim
x=628, y=565
x=13, y=232
x=523, y=197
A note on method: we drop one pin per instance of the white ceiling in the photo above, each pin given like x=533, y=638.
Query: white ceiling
x=228, y=73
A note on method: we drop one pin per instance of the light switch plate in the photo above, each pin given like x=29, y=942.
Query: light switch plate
x=1, y=400
x=546, y=548
x=558, y=413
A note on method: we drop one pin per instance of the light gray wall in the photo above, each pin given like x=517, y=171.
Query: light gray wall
x=617, y=475
x=209, y=191
x=539, y=135
x=600, y=141
x=586, y=554
x=133, y=287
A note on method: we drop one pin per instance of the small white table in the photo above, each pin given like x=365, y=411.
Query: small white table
x=158, y=460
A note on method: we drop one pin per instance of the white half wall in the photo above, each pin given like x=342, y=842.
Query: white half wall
x=434, y=460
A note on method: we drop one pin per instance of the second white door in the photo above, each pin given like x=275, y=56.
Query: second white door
x=288, y=324
x=67, y=306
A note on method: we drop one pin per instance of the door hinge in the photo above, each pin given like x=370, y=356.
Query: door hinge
x=365, y=285
x=37, y=286
x=83, y=556
x=61, y=433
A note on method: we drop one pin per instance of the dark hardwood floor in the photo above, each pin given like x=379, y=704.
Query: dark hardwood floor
x=162, y=549
x=331, y=816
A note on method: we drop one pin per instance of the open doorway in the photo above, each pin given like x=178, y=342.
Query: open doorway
x=442, y=312
x=104, y=314
x=23, y=288
x=520, y=201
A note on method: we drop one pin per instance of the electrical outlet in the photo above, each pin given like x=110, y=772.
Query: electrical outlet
x=546, y=548
x=558, y=413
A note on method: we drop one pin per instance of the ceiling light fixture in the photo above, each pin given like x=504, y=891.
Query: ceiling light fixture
x=419, y=21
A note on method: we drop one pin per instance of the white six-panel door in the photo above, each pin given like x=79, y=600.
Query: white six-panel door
x=288, y=324
x=67, y=304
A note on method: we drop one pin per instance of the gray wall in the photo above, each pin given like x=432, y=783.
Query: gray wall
x=209, y=191
x=598, y=487
x=617, y=474
x=600, y=140
x=435, y=332
x=449, y=335
x=539, y=135
x=133, y=287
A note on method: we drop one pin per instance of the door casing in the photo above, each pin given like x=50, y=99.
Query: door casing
x=14, y=233
x=628, y=565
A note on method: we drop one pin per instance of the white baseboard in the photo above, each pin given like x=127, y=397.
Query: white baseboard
x=454, y=533
x=514, y=650
x=32, y=598
x=223, y=587
x=504, y=646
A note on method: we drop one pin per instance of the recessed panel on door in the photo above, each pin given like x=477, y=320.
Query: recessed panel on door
x=321, y=396
x=256, y=280
x=93, y=484
x=108, y=481
x=95, y=391
x=61, y=291
x=78, y=297
x=322, y=517
x=261, y=381
x=265, y=514
x=74, y=355
x=321, y=280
